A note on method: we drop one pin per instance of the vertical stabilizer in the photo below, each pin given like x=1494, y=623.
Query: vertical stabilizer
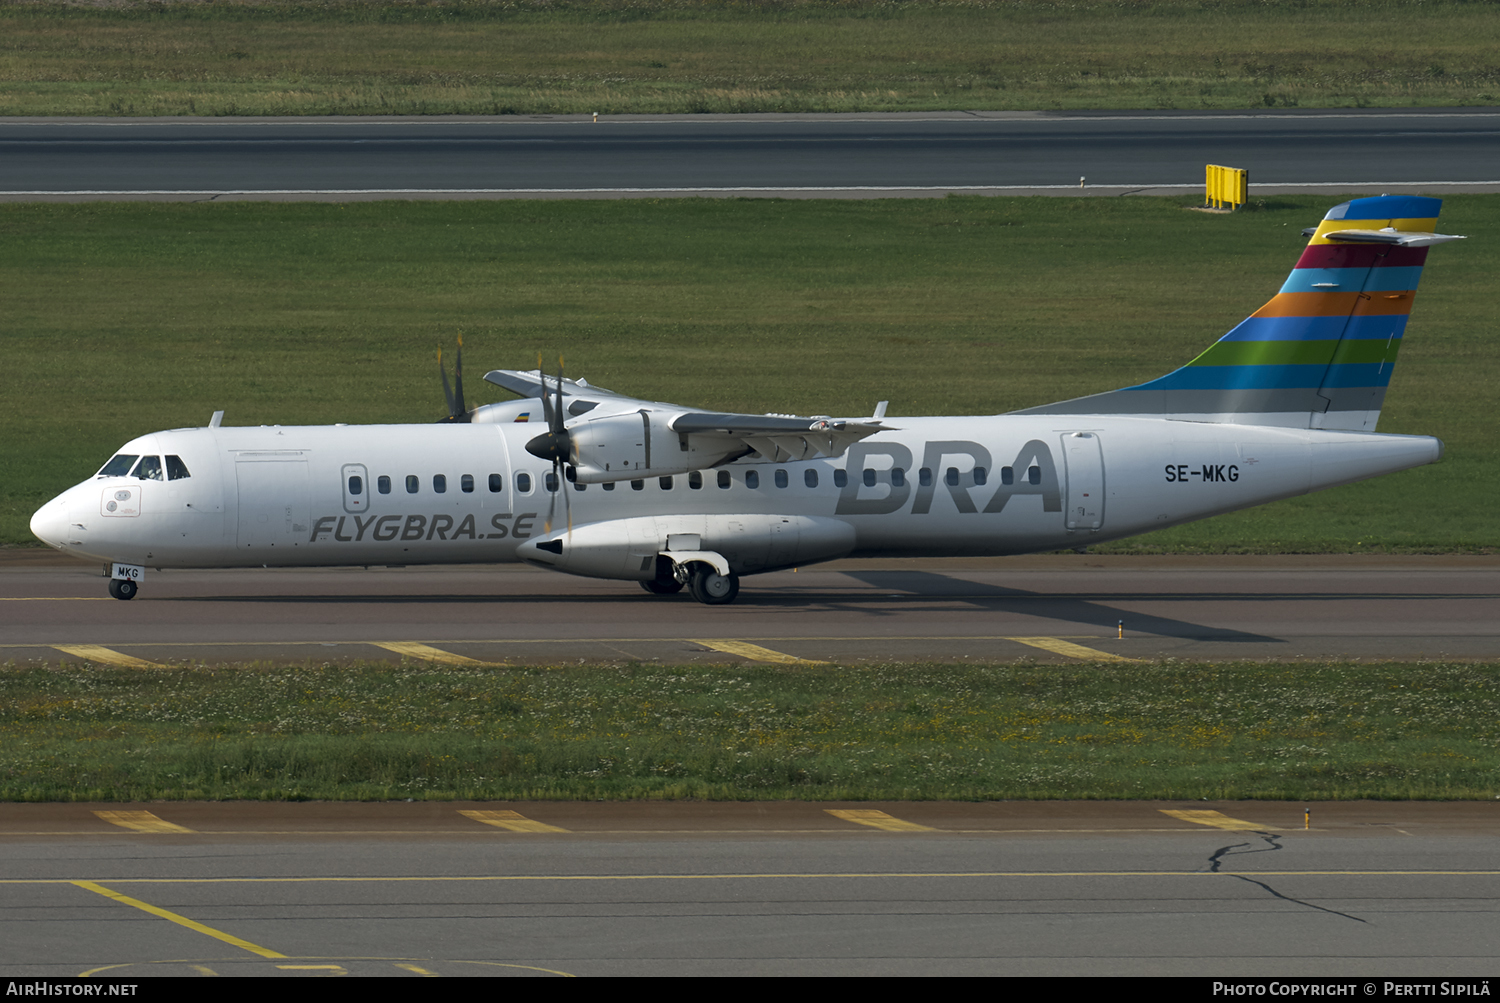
x=1320, y=353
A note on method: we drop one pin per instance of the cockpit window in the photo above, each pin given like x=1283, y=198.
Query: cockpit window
x=119, y=466
x=176, y=469
x=149, y=469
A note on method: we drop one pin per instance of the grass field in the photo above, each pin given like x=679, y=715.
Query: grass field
x=376, y=732
x=119, y=319
x=120, y=57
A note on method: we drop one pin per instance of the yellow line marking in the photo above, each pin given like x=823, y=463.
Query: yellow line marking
x=755, y=652
x=514, y=821
x=877, y=820
x=425, y=653
x=140, y=821
x=1058, y=646
x=179, y=920
x=330, y=969
x=55, y=599
x=420, y=971
x=1214, y=818
x=98, y=653
x=204, y=970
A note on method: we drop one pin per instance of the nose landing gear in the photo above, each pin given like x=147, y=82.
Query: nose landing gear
x=123, y=588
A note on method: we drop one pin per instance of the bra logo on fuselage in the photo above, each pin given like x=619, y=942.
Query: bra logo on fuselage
x=890, y=493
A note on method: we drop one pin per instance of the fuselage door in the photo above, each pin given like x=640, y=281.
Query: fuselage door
x=356, y=488
x=273, y=502
x=1084, y=456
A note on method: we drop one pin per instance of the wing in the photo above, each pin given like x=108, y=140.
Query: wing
x=778, y=438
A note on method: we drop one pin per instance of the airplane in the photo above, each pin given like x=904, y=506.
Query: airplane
x=586, y=481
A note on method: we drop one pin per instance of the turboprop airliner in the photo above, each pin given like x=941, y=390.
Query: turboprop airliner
x=590, y=482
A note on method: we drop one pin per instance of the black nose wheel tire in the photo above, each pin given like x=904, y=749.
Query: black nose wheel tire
x=713, y=589
x=123, y=588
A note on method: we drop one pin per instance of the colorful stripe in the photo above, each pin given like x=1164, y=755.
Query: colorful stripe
x=1307, y=329
x=1325, y=343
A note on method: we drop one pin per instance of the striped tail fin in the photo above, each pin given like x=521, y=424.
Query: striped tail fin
x=1320, y=353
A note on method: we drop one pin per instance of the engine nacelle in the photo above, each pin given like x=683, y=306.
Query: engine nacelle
x=636, y=444
x=628, y=548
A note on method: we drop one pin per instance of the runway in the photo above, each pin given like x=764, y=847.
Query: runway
x=542, y=889
x=807, y=156
x=1058, y=608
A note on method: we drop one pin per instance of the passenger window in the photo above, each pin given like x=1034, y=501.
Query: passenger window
x=695, y=480
x=780, y=478
x=840, y=478
x=1007, y=475
x=176, y=469
x=665, y=482
x=440, y=483
x=119, y=466
x=637, y=485
x=1033, y=475
x=149, y=469
x=523, y=484
x=898, y=477
x=549, y=480
x=356, y=485
x=924, y=477
x=497, y=484
x=810, y=477
x=869, y=478
x=752, y=479
x=383, y=484
x=724, y=481
x=412, y=484
x=952, y=477
x=466, y=484
x=980, y=476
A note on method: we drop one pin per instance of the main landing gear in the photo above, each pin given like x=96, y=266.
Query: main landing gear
x=702, y=580
x=711, y=588
x=123, y=588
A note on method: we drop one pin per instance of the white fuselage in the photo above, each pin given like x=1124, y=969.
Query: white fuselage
x=285, y=496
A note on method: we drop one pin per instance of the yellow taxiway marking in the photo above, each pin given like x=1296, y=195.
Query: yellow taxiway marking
x=1214, y=818
x=330, y=969
x=1058, y=646
x=173, y=917
x=426, y=653
x=140, y=821
x=754, y=652
x=877, y=820
x=514, y=821
x=99, y=653
x=420, y=971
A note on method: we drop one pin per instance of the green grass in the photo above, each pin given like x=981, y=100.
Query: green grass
x=639, y=56
x=1276, y=731
x=120, y=319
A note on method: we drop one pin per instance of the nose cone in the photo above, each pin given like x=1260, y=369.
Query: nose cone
x=50, y=522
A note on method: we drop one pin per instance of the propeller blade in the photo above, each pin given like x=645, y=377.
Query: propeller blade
x=447, y=392
x=461, y=414
x=557, y=409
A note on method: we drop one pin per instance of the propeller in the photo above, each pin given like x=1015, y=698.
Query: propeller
x=555, y=444
x=458, y=411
